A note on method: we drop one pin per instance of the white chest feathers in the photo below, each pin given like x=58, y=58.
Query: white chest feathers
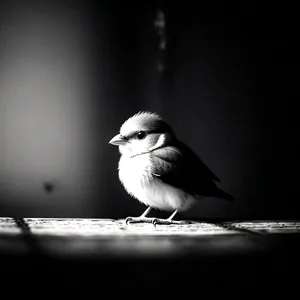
x=135, y=174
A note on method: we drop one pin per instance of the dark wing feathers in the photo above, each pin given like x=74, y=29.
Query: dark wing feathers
x=179, y=166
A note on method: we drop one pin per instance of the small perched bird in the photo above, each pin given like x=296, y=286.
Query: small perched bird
x=159, y=170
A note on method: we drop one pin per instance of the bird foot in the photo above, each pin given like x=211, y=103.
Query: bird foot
x=155, y=221
x=138, y=220
x=169, y=222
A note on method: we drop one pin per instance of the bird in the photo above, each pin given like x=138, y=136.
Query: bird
x=160, y=170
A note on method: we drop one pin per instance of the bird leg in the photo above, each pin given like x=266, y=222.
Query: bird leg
x=141, y=219
x=169, y=221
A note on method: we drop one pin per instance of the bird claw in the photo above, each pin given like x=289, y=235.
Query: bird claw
x=127, y=220
x=169, y=222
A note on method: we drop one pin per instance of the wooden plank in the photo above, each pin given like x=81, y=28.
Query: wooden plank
x=9, y=226
x=100, y=250
x=110, y=227
x=270, y=227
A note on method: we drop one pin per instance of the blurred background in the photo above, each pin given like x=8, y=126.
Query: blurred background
x=71, y=72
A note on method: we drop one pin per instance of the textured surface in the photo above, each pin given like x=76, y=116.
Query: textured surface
x=101, y=239
x=110, y=227
x=268, y=227
x=96, y=255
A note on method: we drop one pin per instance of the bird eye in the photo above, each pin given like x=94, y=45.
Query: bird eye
x=141, y=135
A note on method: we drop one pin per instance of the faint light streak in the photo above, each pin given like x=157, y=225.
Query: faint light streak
x=160, y=25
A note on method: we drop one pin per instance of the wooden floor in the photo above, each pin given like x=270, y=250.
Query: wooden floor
x=109, y=253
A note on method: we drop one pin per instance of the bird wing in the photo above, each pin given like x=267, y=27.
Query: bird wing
x=179, y=166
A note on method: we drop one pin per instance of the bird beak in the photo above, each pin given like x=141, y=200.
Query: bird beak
x=118, y=140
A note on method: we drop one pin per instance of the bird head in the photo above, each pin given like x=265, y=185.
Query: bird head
x=142, y=133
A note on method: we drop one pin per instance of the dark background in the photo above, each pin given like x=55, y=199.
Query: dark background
x=72, y=71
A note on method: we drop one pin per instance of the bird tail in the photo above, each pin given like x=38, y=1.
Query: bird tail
x=222, y=194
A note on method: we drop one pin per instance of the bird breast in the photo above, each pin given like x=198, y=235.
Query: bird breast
x=135, y=173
